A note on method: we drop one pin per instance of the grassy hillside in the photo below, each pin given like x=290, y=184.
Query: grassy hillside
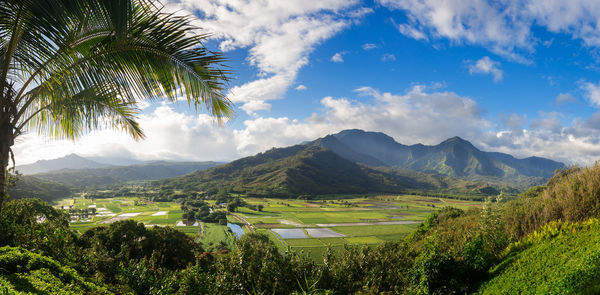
x=559, y=258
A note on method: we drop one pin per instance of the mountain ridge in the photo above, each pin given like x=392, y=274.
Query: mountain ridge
x=70, y=161
x=454, y=156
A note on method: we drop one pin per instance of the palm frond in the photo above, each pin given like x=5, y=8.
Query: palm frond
x=83, y=63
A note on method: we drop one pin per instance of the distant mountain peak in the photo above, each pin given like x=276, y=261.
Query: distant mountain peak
x=70, y=161
x=73, y=156
x=456, y=139
x=379, y=137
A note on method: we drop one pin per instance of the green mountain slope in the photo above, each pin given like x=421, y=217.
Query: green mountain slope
x=309, y=169
x=559, y=258
x=33, y=187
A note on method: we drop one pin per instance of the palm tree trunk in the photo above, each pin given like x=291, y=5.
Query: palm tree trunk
x=6, y=141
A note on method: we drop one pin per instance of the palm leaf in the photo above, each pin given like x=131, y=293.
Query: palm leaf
x=94, y=60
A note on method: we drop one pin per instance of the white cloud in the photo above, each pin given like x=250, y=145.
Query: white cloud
x=280, y=36
x=514, y=123
x=169, y=135
x=338, y=57
x=388, y=57
x=592, y=92
x=369, y=46
x=411, y=32
x=497, y=27
x=416, y=116
x=563, y=98
x=300, y=87
x=486, y=66
x=504, y=27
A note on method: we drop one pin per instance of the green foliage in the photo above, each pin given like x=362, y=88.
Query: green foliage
x=256, y=266
x=513, y=247
x=25, y=271
x=147, y=278
x=571, y=195
x=199, y=210
x=532, y=192
x=383, y=268
x=126, y=242
x=196, y=281
x=34, y=225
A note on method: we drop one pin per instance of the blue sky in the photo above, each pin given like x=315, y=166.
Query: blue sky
x=520, y=77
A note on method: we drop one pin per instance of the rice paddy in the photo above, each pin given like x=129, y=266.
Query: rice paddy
x=313, y=226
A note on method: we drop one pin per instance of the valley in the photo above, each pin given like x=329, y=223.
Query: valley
x=218, y=147
x=305, y=226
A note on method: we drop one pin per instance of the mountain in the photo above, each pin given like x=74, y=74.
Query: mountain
x=117, y=161
x=81, y=178
x=311, y=170
x=454, y=157
x=71, y=161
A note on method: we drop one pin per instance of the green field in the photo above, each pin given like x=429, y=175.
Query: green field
x=345, y=221
x=109, y=210
x=359, y=219
x=214, y=235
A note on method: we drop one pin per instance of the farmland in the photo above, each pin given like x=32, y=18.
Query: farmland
x=114, y=209
x=308, y=226
x=312, y=226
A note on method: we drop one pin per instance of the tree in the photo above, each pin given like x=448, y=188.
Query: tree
x=70, y=66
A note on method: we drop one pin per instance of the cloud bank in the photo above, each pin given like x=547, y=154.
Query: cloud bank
x=420, y=115
x=503, y=27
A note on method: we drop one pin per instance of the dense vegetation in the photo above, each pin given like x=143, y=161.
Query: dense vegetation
x=543, y=242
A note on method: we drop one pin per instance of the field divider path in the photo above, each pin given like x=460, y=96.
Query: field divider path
x=244, y=221
x=279, y=238
x=369, y=223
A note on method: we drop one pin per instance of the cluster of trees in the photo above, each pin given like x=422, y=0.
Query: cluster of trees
x=194, y=210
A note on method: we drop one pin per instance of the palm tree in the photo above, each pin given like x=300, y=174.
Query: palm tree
x=70, y=66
